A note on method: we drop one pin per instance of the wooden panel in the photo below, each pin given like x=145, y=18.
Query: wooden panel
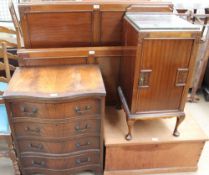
x=108, y=59
x=110, y=72
x=29, y=129
x=61, y=163
x=128, y=61
x=164, y=58
x=77, y=108
x=153, y=156
x=152, y=171
x=111, y=28
x=59, y=29
x=55, y=18
x=56, y=61
x=31, y=146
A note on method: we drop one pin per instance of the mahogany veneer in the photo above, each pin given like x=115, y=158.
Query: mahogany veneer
x=56, y=115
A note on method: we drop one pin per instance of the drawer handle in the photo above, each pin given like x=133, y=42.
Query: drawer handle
x=32, y=113
x=34, y=146
x=36, y=130
x=82, y=161
x=78, y=145
x=79, y=111
x=78, y=129
x=39, y=164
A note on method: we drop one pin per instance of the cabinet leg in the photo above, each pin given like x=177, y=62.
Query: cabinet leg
x=130, y=124
x=179, y=120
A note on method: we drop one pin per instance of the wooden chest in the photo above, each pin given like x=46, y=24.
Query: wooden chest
x=153, y=149
x=156, y=70
x=56, y=115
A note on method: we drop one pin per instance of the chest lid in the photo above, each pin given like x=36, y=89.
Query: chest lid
x=56, y=82
x=160, y=22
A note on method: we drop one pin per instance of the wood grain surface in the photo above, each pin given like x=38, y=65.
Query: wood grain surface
x=55, y=82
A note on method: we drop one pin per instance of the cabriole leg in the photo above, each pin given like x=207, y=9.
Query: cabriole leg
x=130, y=124
x=179, y=120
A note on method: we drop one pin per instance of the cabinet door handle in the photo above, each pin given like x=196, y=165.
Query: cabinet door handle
x=34, y=146
x=78, y=145
x=144, y=78
x=80, y=111
x=78, y=129
x=36, y=130
x=29, y=113
x=39, y=164
x=181, y=77
x=83, y=161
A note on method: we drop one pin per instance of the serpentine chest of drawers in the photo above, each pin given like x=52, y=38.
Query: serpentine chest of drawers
x=55, y=116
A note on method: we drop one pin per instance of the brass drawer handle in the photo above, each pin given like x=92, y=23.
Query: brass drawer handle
x=39, y=164
x=78, y=129
x=36, y=130
x=78, y=145
x=83, y=161
x=26, y=112
x=86, y=109
x=34, y=146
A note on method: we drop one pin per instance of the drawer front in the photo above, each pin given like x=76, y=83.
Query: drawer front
x=63, y=147
x=56, y=110
x=60, y=163
x=96, y=169
x=57, y=130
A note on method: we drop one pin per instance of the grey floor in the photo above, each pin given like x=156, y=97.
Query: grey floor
x=201, y=114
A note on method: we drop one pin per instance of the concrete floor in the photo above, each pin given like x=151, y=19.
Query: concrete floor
x=200, y=112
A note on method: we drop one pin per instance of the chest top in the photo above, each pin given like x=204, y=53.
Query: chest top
x=160, y=22
x=60, y=82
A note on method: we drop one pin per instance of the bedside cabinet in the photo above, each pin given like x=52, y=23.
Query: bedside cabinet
x=156, y=69
x=56, y=115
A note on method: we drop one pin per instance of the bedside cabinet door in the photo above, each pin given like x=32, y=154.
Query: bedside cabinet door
x=163, y=73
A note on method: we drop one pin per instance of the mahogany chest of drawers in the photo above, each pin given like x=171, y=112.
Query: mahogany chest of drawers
x=55, y=115
x=155, y=72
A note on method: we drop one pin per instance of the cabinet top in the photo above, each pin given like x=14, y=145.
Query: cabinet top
x=60, y=82
x=160, y=22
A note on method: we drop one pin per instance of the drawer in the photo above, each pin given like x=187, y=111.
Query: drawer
x=60, y=163
x=56, y=110
x=62, y=147
x=57, y=130
x=96, y=169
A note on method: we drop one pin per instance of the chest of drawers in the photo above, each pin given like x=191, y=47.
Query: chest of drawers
x=55, y=115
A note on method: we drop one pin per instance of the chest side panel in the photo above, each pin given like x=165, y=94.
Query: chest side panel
x=163, y=69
